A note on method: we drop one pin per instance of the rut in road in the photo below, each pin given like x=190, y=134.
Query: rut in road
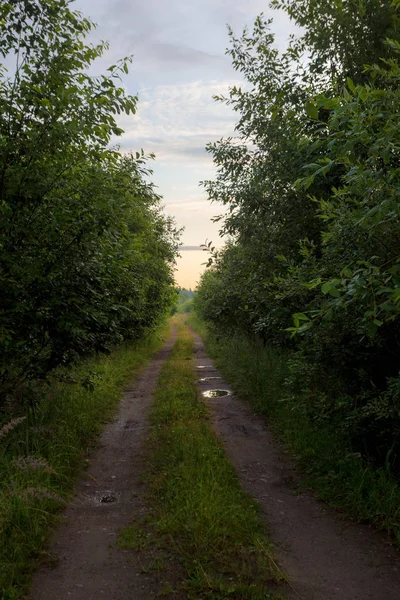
x=327, y=557
x=89, y=564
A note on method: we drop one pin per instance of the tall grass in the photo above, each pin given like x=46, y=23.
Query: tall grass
x=41, y=455
x=329, y=466
x=199, y=505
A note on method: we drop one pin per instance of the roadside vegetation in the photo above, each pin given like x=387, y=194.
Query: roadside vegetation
x=184, y=301
x=303, y=300
x=86, y=254
x=42, y=452
x=261, y=375
x=200, y=513
x=86, y=265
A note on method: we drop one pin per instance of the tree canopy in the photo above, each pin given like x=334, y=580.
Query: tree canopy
x=311, y=183
x=86, y=254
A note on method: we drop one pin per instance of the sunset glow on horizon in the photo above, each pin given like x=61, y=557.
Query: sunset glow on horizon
x=189, y=266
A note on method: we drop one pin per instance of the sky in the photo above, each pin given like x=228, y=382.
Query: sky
x=179, y=64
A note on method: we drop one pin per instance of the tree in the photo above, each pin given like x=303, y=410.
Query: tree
x=342, y=36
x=85, y=253
x=311, y=185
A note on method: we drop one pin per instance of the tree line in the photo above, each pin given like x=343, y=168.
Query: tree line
x=86, y=254
x=311, y=185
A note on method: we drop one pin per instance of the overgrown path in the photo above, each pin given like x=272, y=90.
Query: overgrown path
x=326, y=557
x=184, y=531
x=88, y=565
x=190, y=532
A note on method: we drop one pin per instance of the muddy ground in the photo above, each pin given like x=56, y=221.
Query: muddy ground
x=88, y=563
x=326, y=556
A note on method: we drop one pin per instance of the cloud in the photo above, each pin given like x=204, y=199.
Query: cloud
x=176, y=56
x=176, y=122
x=201, y=206
x=179, y=64
x=178, y=36
x=189, y=248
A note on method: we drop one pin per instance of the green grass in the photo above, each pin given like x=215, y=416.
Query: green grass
x=56, y=437
x=132, y=537
x=200, y=510
x=326, y=461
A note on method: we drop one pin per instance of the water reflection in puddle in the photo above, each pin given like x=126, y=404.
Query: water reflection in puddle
x=204, y=367
x=216, y=393
x=209, y=378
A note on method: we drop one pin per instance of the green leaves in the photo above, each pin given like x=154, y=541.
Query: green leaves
x=302, y=323
x=351, y=86
x=311, y=188
x=86, y=256
x=312, y=110
x=330, y=287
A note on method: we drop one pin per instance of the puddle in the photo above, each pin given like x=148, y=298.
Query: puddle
x=106, y=497
x=209, y=378
x=216, y=393
x=204, y=367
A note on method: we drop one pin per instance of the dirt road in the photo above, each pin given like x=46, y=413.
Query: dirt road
x=326, y=556
x=90, y=566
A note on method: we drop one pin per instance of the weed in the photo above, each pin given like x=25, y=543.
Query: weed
x=42, y=451
x=132, y=537
x=166, y=590
x=329, y=465
x=211, y=524
x=158, y=564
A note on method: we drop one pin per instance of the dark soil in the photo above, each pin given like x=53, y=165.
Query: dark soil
x=87, y=562
x=326, y=556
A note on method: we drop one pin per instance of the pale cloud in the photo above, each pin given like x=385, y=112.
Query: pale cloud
x=176, y=56
x=177, y=121
x=190, y=205
x=179, y=64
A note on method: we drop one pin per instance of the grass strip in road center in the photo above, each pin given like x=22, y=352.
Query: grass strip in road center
x=212, y=526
